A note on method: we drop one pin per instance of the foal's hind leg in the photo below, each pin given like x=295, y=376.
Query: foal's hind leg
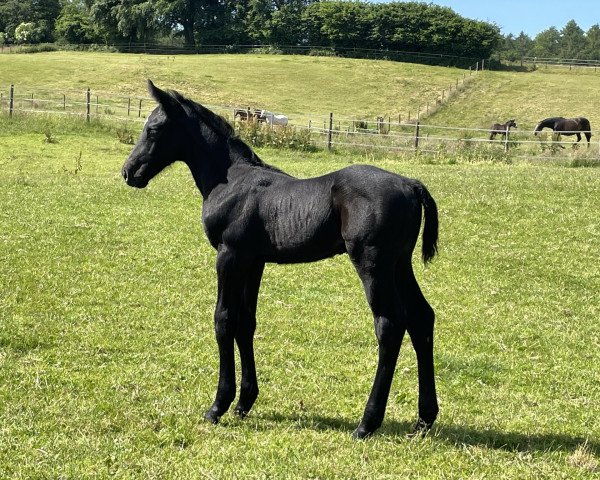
x=244, y=338
x=377, y=276
x=420, y=320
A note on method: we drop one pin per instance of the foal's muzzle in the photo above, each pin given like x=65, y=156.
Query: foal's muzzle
x=133, y=177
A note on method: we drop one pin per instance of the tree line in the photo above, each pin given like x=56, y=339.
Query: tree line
x=393, y=26
x=406, y=26
x=571, y=42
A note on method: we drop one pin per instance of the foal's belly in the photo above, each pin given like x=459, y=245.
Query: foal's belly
x=307, y=252
x=301, y=232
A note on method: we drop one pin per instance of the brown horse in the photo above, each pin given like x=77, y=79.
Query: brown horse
x=247, y=114
x=566, y=126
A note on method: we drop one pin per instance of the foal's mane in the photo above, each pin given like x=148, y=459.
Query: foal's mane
x=222, y=128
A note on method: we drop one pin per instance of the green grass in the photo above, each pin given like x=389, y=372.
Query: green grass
x=526, y=96
x=107, y=355
x=290, y=84
x=306, y=87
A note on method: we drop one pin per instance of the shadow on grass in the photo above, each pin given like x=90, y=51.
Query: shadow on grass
x=452, y=434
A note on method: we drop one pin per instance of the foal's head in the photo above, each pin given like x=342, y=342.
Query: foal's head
x=160, y=142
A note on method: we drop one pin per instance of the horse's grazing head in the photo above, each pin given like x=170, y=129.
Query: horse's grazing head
x=512, y=123
x=160, y=140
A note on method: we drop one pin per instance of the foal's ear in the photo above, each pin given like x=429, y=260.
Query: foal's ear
x=170, y=105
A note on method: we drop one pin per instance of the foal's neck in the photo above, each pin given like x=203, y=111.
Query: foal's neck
x=209, y=163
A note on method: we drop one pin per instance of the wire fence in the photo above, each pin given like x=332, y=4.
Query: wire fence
x=327, y=131
x=443, y=59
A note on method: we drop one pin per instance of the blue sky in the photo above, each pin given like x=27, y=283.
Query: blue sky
x=530, y=16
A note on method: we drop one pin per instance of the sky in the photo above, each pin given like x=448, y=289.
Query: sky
x=529, y=16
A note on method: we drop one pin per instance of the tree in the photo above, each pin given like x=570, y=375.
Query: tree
x=41, y=13
x=514, y=48
x=75, y=25
x=337, y=24
x=592, y=43
x=125, y=20
x=547, y=43
x=286, y=26
x=572, y=42
x=180, y=16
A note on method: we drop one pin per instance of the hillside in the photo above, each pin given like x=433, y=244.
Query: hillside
x=527, y=97
x=290, y=84
x=305, y=87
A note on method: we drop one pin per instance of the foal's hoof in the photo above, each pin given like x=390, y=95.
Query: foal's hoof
x=361, y=433
x=421, y=428
x=212, y=416
x=241, y=412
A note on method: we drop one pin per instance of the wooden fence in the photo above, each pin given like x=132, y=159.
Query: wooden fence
x=398, y=133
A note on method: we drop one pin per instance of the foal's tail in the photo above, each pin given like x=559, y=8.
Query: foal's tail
x=430, y=226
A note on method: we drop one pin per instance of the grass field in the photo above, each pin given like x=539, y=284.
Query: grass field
x=107, y=351
x=290, y=84
x=308, y=88
x=108, y=359
x=527, y=96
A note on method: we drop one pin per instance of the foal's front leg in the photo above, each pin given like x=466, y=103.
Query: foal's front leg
x=229, y=294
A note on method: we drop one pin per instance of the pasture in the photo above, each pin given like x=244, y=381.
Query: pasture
x=107, y=351
x=290, y=84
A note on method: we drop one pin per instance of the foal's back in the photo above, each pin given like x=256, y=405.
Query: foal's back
x=310, y=219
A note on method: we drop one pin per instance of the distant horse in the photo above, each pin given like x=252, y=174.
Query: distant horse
x=273, y=118
x=247, y=114
x=254, y=213
x=566, y=126
x=501, y=128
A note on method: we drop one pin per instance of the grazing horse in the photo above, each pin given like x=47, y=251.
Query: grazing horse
x=501, y=129
x=566, y=126
x=255, y=213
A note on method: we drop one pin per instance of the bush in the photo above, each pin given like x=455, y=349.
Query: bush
x=260, y=134
x=27, y=32
x=322, y=52
x=266, y=50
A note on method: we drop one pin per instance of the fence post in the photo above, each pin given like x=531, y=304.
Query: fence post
x=506, y=134
x=140, y=108
x=11, y=100
x=128, y=105
x=417, y=136
x=64, y=102
x=87, y=104
x=329, y=132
